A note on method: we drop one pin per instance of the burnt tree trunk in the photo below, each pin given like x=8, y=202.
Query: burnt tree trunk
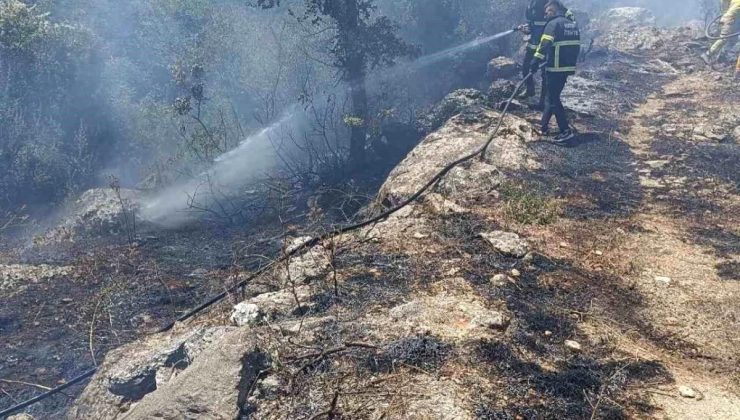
x=358, y=135
x=346, y=13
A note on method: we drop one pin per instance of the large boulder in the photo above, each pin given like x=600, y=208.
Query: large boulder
x=98, y=212
x=463, y=135
x=501, y=90
x=455, y=103
x=502, y=68
x=194, y=375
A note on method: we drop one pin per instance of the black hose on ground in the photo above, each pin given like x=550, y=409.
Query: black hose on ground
x=720, y=37
x=287, y=255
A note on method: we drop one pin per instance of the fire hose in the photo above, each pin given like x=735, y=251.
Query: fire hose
x=480, y=152
x=717, y=37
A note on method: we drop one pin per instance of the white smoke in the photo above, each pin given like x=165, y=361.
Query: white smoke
x=254, y=157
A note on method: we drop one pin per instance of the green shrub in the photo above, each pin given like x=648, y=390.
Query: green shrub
x=525, y=204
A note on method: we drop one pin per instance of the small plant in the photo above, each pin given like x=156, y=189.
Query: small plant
x=128, y=213
x=525, y=204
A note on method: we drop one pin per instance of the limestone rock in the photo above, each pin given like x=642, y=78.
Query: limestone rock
x=311, y=264
x=624, y=18
x=686, y=392
x=406, y=310
x=456, y=139
x=499, y=280
x=502, y=68
x=736, y=134
x=494, y=320
x=453, y=104
x=246, y=314
x=439, y=205
x=15, y=277
x=22, y=416
x=573, y=346
x=99, y=211
x=508, y=243
x=663, y=280
x=276, y=304
x=172, y=377
x=501, y=90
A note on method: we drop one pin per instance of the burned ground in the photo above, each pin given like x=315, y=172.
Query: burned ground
x=630, y=289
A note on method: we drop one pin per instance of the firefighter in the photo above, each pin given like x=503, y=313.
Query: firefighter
x=536, y=22
x=558, y=51
x=730, y=24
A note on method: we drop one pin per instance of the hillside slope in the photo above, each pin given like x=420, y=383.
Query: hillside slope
x=598, y=280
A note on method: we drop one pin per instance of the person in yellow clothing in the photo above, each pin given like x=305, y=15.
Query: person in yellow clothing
x=730, y=24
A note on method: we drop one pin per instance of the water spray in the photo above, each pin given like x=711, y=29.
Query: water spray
x=254, y=156
x=441, y=55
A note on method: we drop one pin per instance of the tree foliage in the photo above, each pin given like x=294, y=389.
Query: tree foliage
x=362, y=41
x=47, y=128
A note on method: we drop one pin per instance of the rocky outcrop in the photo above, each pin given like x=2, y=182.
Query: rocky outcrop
x=98, y=212
x=303, y=268
x=502, y=68
x=624, y=19
x=461, y=136
x=210, y=372
x=453, y=104
x=15, y=277
x=633, y=28
x=191, y=375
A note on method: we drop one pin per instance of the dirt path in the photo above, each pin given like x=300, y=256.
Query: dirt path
x=690, y=214
x=653, y=203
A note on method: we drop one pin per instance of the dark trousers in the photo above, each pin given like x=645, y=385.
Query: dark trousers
x=528, y=57
x=554, y=84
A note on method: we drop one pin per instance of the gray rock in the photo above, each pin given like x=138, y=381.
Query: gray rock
x=499, y=280
x=624, y=18
x=276, y=304
x=502, y=68
x=198, y=374
x=687, y=392
x=508, y=243
x=494, y=320
x=663, y=280
x=457, y=138
x=22, y=416
x=573, y=346
x=311, y=264
x=406, y=310
x=453, y=104
x=245, y=314
x=500, y=90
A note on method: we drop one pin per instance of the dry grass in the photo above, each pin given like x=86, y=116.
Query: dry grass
x=523, y=203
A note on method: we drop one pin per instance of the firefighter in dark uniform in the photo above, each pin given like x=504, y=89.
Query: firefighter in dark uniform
x=558, y=50
x=535, y=26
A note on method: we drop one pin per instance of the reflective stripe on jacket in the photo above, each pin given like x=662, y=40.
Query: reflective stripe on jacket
x=560, y=45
